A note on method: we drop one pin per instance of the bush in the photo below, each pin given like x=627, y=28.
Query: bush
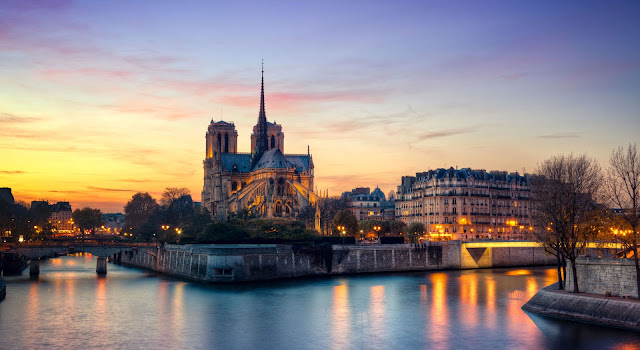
x=222, y=232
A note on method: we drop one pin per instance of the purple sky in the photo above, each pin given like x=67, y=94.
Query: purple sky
x=101, y=99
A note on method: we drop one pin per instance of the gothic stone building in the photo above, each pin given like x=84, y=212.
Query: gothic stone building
x=266, y=182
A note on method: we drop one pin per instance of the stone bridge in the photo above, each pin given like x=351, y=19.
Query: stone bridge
x=101, y=249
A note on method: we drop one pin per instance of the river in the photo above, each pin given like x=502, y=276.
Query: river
x=69, y=306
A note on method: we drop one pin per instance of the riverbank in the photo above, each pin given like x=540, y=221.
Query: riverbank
x=246, y=262
x=586, y=307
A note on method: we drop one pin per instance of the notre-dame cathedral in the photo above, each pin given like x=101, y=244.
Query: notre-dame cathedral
x=267, y=182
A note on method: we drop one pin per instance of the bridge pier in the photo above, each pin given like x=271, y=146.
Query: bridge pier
x=34, y=267
x=101, y=267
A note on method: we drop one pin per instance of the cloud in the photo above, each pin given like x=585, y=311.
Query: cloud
x=104, y=189
x=8, y=118
x=391, y=124
x=515, y=75
x=446, y=133
x=12, y=172
x=94, y=73
x=565, y=135
x=66, y=192
x=138, y=180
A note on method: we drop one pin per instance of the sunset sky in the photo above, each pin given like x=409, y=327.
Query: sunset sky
x=102, y=99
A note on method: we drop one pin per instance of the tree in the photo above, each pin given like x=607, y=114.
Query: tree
x=139, y=210
x=414, y=230
x=170, y=194
x=329, y=207
x=565, y=193
x=87, y=218
x=40, y=215
x=396, y=227
x=5, y=217
x=345, y=218
x=623, y=191
x=222, y=232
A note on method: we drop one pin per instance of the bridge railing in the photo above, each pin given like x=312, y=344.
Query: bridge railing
x=76, y=242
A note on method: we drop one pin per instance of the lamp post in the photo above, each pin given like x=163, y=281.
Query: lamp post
x=377, y=229
x=343, y=232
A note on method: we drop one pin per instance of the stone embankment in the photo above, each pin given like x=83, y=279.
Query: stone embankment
x=3, y=290
x=590, y=308
x=604, y=276
x=242, y=263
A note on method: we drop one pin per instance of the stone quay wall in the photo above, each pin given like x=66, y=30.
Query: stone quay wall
x=241, y=263
x=614, y=312
x=599, y=276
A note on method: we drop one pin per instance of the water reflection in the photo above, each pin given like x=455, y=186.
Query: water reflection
x=340, y=317
x=438, y=332
x=377, y=314
x=490, y=319
x=478, y=309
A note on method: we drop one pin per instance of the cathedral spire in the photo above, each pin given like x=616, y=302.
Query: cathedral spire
x=262, y=140
x=262, y=116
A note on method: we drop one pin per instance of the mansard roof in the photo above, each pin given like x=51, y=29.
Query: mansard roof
x=467, y=173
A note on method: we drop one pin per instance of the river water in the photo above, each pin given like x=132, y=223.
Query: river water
x=69, y=306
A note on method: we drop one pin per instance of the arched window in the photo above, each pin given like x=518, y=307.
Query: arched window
x=234, y=186
x=278, y=209
x=219, y=143
x=273, y=141
x=226, y=143
x=280, y=187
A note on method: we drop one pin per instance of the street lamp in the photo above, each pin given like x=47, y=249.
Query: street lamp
x=343, y=231
x=377, y=229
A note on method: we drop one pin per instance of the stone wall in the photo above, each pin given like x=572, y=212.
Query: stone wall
x=600, y=276
x=226, y=263
x=499, y=256
x=615, y=312
x=234, y=263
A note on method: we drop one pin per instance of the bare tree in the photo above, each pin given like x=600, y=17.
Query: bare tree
x=623, y=190
x=565, y=194
x=171, y=194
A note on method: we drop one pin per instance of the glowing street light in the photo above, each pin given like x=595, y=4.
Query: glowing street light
x=343, y=231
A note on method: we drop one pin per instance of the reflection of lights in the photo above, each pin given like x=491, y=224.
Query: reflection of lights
x=519, y=273
x=340, y=314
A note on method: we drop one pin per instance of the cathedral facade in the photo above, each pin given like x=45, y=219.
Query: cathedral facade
x=266, y=182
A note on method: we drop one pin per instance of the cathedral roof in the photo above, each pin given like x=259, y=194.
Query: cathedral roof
x=301, y=162
x=271, y=159
x=222, y=122
x=240, y=161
